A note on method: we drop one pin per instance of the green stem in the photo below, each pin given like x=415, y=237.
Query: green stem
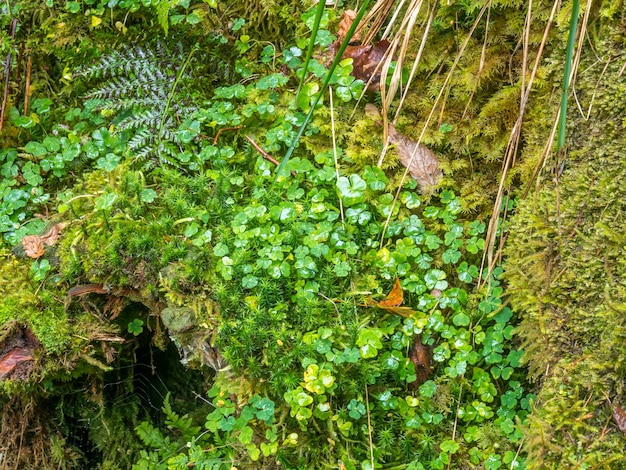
x=329, y=75
x=573, y=26
x=316, y=24
x=172, y=91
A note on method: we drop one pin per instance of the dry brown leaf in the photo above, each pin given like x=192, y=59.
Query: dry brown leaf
x=365, y=62
x=114, y=307
x=11, y=359
x=620, y=417
x=51, y=236
x=421, y=357
x=422, y=162
x=344, y=25
x=33, y=246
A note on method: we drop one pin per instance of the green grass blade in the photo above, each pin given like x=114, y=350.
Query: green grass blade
x=332, y=68
x=573, y=25
x=316, y=24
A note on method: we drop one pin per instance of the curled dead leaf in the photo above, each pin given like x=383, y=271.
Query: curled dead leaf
x=51, y=236
x=33, y=246
x=344, y=25
x=421, y=356
x=12, y=358
x=17, y=352
x=366, y=62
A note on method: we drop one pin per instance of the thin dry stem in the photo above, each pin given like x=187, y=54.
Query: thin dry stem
x=332, y=129
x=369, y=425
x=593, y=95
x=404, y=33
x=263, y=153
x=7, y=69
x=416, y=61
x=376, y=18
x=489, y=259
x=546, y=151
x=223, y=129
x=481, y=65
x=29, y=67
x=456, y=420
x=430, y=116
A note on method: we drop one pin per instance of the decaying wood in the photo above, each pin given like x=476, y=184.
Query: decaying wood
x=113, y=307
x=84, y=289
x=17, y=352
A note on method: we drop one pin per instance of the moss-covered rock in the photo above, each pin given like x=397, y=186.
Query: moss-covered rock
x=566, y=270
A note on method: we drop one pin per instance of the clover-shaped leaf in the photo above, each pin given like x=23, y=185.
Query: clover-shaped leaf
x=352, y=189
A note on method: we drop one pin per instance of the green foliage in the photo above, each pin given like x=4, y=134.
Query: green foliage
x=135, y=327
x=149, y=91
x=281, y=278
x=285, y=265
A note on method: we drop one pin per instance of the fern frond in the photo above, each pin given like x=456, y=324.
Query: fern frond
x=147, y=118
x=139, y=141
x=137, y=82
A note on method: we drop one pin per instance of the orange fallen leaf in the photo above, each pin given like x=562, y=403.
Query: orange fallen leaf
x=394, y=299
x=403, y=311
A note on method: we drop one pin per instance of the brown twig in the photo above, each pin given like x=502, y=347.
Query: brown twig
x=217, y=136
x=84, y=289
x=7, y=66
x=263, y=153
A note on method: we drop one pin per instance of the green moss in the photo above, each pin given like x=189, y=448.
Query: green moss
x=565, y=268
x=39, y=307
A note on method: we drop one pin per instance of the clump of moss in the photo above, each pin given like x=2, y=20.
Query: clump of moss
x=565, y=268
